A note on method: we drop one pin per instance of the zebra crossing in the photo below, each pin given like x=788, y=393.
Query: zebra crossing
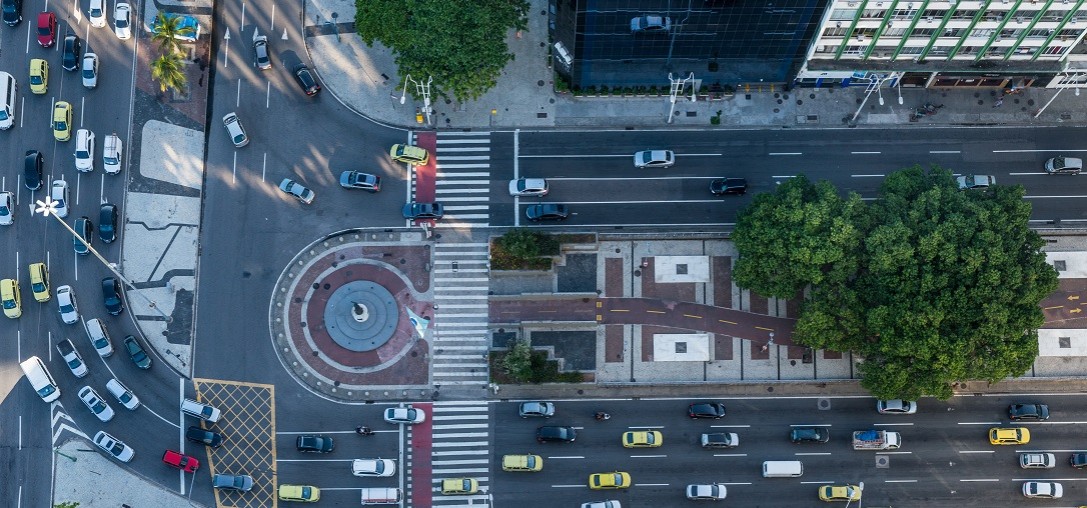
x=461, y=449
x=461, y=276
x=463, y=178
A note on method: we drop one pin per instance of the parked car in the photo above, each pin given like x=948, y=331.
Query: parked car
x=72, y=358
x=408, y=415
x=67, y=305
x=418, y=211
x=123, y=394
x=809, y=435
x=239, y=482
x=114, y=446
x=306, y=80
x=654, y=159
x=546, y=211
x=94, y=402
x=47, y=29
x=204, y=436
x=85, y=229
x=111, y=296
x=260, y=52
x=314, y=443
x=536, y=409
x=73, y=48
x=727, y=186
x=235, y=130
x=713, y=410
x=1038, y=412
x=896, y=406
x=180, y=461
x=297, y=190
x=136, y=353
x=107, y=222
x=536, y=187
x=122, y=20
x=361, y=181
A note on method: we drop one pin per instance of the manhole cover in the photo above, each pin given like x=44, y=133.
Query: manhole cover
x=823, y=404
x=883, y=461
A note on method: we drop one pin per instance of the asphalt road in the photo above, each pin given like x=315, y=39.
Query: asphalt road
x=945, y=459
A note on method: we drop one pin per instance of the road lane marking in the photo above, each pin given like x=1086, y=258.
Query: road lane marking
x=647, y=456
x=812, y=453
x=867, y=176
x=567, y=486
x=727, y=322
x=655, y=311
x=604, y=155
x=811, y=425
x=692, y=316
x=1049, y=479
x=645, y=427
x=736, y=483
x=785, y=153
x=893, y=453
x=730, y=455
x=899, y=481
x=890, y=424
x=977, y=451
x=730, y=426
x=980, y=423
x=944, y=151
x=982, y=480
x=652, y=484
x=552, y=457
x=824, y=482
x=865, y=153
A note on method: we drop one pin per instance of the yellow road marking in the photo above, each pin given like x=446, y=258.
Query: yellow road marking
x=761, y=328
x=723, y=321
x=692, y=316
x=656, y=311
x=619, y=310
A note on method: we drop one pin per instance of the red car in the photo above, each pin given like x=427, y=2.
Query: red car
x=184, y=462
x=47, y=29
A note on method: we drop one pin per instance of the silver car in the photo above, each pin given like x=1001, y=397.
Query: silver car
x=7, y=208
x=125, y=396
x=69, y=311
x=528, y=187
x=711, y=492
x=299, y=191
x=654, y=159
x=408, y=415
x=90, y=70
x=536, y=409
x=114, y=446
x=896, y=406
x=260, y=51
x=1037, y=460
x=95, y=403
x=235, y=130
x=975, y=181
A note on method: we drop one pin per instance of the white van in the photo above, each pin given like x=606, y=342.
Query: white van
x=40, y=379
x=201, y=411
x=782, y=469
x=8, y=92
x=382, y=495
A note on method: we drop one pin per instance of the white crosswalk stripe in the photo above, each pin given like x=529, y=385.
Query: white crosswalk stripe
x=461, y=450
x=460, y=314
x=463, y=178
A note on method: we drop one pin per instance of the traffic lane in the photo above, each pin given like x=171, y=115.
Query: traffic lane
x=632, y=213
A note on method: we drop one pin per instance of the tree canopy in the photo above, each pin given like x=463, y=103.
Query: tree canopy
x=462, y=45
x=929, y=284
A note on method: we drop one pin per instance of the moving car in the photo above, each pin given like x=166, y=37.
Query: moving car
x=896, y=406
x=235, y=130
x=531, y=463
x=180, y=461
x=417, y=211
x=306, y=80
x=114, y=446
x=361, y=181
x=650, y=24
x=459, y=486
x=528, y=187
x=410, y=154
x=654, y=159
x=1043, y=490
x=7, y=208
x=94, y=402
x=713, y=410
x=73, y=47
x=260, y=52
x=536, y=409
x=90, y=70
x=72, y=358
x=408, y=415
x=59, y=194
x=314, y=443
x=975, y=181
x=136, y=353
x=84, y=150
x=111, y=296
x=96, y=14
x=1039, y=412
x=67, y=305
x=99, y=337
x=12, y=11
x=32, y=170
x=39, y=282
x=373, y=467
x=706, y=492
x=1008, y=435
x=10, y=298
x=614, y=480
x=123, y=394
x=1078, y=460
x=122, y=20
x=39, y=76
x=1064, y=165
x=602, y=504
x=548, y=433
x=297, y=190
x=107, y=222
x=200, y=410
x=62, y=121
x=720, y=440
x=546, y=211
x=726, y=186
x=809, y=435
x=47, y=29
x=85, y=229
x=303, y=493
x=642, y=439
x=204, y=436
x=840, y=493
x=239, y=482
x=111, y=154
x=1037, y=460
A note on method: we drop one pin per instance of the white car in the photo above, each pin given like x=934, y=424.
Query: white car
x=111, y=154
x=1037, y=460
x=114, y=446
x=528, y=187
x=373, y=467
x=975, y=181
x=96, y=14
x=59, y=194
x=95, y=403
x=896, y=406
x=123, y=394
x=72, y=358
x=602, y=504
x=122, y=20
x=712, y=492
x=235, y=130
x=90, y=70
x=99, y=337
x=69, y=311
x=7, y=208
x=84, y=150
x=408, y=415
x=1043, y=490
x=654, y=159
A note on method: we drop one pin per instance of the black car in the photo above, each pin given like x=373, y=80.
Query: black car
x=85, y=229
x=32, y=170
x=724, y=186
x=1028, y=412
x=136, y=353
x=305, y=79
x=202, y=436
x=314, y=443
x=416, y=211
x=107, y=222
x=809, y=435
x=1078, y=460
x=13, y=11
x=713, y=410
x=73, y=48
x=546, y=211
x=111, y=296
x=555, y=433
x=357, y=180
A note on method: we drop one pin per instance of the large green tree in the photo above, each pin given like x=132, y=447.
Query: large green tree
x=461, y=44
x=946, y=287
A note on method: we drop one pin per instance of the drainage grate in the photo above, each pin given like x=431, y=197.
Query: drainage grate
x=541, y=115
x=883, y=461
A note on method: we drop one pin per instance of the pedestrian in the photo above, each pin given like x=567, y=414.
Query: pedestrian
x=999, y=102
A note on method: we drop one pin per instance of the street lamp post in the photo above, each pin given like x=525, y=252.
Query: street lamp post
x=1071, y=78
x=49, y=207
x=874, y=85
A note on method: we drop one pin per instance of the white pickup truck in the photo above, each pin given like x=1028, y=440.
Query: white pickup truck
x=876, y=440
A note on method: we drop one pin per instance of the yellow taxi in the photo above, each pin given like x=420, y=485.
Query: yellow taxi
x=9, y=295
x=303, y=493
x=39, y=282
x=410, y=154
x=840, y=493
x=39, y=76
x=459, y=486
x=606, y=481
x=522, y=463
x=62, y=121
x=642, y=439
x=1008, y=435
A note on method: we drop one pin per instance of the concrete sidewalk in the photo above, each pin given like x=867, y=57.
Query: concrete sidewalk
x=365, y=79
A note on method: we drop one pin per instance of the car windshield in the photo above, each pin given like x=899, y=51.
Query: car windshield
x=88, y=70
x=36, y=79
x=122, y=22
x=61, y=125
x=239, y=138
x=3, y=115
x=111, y=160
x=4, y=210
x=73, y=363
x=82, y=154
x=37, y=286
x=66, y=308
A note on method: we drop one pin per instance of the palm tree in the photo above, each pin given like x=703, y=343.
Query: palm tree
x=166, y=28
x=167, y=70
